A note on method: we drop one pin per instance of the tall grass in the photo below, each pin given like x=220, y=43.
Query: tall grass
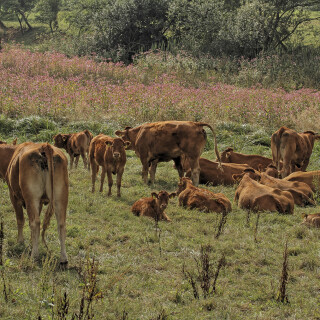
x=65, y=89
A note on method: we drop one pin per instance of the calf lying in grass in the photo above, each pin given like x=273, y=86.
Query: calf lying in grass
x=301, y=192
x=202, y=199
x=311, y=219
x=252, y=195
x=153, y=206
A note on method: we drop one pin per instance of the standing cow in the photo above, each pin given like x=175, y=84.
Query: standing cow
x=110, y=154
x=293, y=148
x=168, y=140
x=75, y=144
x=37, y=174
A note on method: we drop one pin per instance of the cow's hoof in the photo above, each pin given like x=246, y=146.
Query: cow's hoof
x=64, y=265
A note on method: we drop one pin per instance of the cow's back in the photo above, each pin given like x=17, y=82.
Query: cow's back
x=170, y=139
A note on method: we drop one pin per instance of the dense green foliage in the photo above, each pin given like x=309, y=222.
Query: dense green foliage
x=120, y=29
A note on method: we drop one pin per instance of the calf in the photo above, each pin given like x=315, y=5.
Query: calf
x=210, y=171
x=153, y=206
x=252, y=195
x=311, y=178
x=301, y=192
x=254, y=161
x=6, y=152
x=37, y=174
x=75, y=144
x=293, y=148
x=312, y=219
x=110, y=154
x=202, y=199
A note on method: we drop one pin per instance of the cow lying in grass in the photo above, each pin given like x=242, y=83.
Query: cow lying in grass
x=153, y=206
x=110, y=154
x=312, y=220
x=75, y=144
x=301, y=192
x=255, y=161
x=252, y=195
x=210, y=171
x=202, y=199
x=37, y=174
x=311, y=178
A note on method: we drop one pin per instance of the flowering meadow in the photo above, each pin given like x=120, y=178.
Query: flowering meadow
x=57, y=87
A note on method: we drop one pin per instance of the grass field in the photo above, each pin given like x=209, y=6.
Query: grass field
x=139, y=266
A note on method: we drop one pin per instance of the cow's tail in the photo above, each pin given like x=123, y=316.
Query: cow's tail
x=203, y=124
x=276, y=138
x=48, y=152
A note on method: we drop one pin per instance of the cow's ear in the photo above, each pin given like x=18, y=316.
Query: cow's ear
x=65, y=137
x=127, y=144
x=154, y=195
x=119, y=133
x=304, y=215
x=237, y=177
x=172, y=195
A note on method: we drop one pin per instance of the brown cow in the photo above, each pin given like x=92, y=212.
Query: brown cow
x=202, y=199
x=311, y=178
x=6, y=152
x=255, y=161
x=37, y=174
x=153, y=206
x=252, y=195
x=301, y=192
x=293, y=148
x=168, y=140
x=312, y=219
x=110, y=154
x=75, y=144
x=210, y=171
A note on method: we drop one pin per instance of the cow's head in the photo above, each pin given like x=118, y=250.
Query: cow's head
x=128, y=134
x=117, y=146
x=253, y=174
x=60, y=140
x=312, y=135
x=183, y=184
x=162, y=198
x=225, y=155
x=271, y=170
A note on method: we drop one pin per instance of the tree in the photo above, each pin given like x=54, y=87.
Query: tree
x=47, y=12
x=19, y=9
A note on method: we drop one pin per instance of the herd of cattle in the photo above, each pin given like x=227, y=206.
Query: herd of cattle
x=37, y=174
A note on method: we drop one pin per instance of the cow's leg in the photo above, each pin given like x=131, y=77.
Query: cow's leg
x=88, y=161
x=94, y=171
x=145, y=168
x=285, y=168
x=110, y=181
x=84, y=158
x=119, y=177
x=60, y=210
x=304, y=165
x=195, y=170
x=33, y=210
x=103, y=174
x=76, y=160
x=71, y=160
x=153, y=170
x=177, y=163
x=19, y=216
